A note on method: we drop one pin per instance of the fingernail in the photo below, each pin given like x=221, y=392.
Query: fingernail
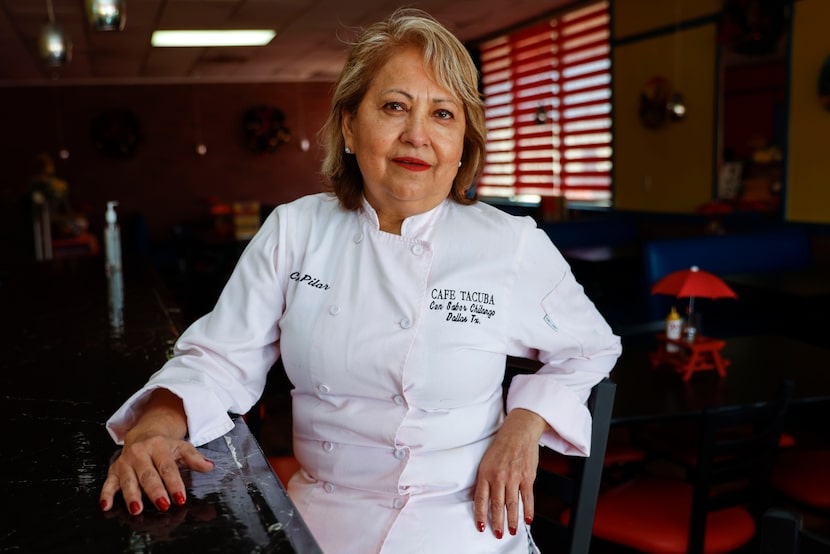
x=135, y=507
x=528, y=520
x=103, y=505
x=480, y=525
x=498, y=532
x=210, y=461
x=178, y=498
x=162, y=504
x=512, y=530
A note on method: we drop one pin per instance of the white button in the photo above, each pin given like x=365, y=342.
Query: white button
x=323, y=388
x=398, y=399
x=328, y=487
x=406, y=323
x=328, y=446
x=334, y=309
x=358, y=237
x=417, y=249
x=400, y=453
x=398, y=503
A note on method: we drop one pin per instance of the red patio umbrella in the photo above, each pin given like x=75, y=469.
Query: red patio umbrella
x=693, y=282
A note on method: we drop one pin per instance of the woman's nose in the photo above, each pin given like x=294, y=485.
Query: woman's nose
x=416, y=131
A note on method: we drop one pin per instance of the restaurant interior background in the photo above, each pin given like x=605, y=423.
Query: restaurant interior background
x=172, y=150
x=136, y=139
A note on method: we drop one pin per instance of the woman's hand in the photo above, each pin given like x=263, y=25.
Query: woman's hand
x=150, y=459
x=507, y=472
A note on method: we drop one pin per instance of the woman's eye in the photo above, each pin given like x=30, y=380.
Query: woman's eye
x=444, y=114
x=394, y=106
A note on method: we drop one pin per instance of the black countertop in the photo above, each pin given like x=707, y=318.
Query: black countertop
x=61, y=377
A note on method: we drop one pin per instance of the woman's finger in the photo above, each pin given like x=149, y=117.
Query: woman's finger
x=528, y=503
x=497, y=511
x=168, y=467
x=481, y=504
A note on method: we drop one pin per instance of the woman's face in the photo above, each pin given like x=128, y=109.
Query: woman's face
x=408, y=137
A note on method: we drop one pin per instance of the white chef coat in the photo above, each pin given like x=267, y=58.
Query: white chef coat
x=395, y=346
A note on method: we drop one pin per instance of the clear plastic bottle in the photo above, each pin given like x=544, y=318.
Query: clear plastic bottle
x=115, y=278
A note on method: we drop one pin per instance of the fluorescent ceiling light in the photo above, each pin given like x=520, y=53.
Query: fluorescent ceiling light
x=250, y=37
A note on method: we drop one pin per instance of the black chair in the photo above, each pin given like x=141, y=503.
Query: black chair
x=782, y=533
x=574, y=486
x=717, y=507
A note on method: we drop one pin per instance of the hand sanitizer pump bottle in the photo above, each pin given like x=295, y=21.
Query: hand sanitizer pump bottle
x=115, y=278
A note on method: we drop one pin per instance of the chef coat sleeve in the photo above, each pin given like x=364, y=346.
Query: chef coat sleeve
x=221, y=361
x=552, y=320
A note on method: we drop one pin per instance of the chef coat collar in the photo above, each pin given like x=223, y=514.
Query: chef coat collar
x=413, y=226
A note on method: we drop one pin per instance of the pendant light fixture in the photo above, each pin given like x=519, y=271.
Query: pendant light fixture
x=55, y=46
x=106, y=15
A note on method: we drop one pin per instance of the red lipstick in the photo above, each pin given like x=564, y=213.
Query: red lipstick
x=412, y=164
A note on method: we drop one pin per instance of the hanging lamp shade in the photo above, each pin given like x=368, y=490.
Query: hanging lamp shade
x=55, y=46
x=106, y=15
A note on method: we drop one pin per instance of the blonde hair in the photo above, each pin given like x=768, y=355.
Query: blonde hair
x=453, y=69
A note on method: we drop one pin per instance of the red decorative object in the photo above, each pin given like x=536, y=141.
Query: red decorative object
x=701, y=354
x=693, y=282
x=264, y=129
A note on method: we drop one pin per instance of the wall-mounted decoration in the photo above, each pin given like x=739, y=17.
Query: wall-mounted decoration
x=659, y=103
x=653, y=102
x=264, y=129
x=824, y=84
x=116, y=133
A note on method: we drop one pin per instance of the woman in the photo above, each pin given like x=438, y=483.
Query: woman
x=393, y=304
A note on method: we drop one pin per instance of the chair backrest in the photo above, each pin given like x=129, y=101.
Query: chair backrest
x=737, y=449
x=577, y=490
x=782, y=533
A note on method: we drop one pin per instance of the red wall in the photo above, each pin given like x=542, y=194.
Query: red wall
x=164, y=180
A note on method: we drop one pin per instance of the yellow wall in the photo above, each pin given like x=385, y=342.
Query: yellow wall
x=808, y=162
x=632, y=17
x=668, y=169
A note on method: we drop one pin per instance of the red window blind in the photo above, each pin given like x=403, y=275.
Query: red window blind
x=547, y=89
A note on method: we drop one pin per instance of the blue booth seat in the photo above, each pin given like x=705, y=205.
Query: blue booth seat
x=760, y=251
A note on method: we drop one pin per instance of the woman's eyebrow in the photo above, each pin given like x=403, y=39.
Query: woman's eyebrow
x=410, y=97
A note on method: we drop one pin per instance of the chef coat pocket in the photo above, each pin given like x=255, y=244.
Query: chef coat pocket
x=574, y=318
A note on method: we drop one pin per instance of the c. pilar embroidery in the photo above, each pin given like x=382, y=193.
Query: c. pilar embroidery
x=307, y=279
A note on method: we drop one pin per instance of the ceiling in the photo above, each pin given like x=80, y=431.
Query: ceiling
x=310, y=43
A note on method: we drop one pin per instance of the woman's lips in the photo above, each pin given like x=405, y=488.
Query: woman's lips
x=412, y=164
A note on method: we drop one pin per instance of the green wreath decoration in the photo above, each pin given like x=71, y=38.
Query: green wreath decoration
x=264, y=129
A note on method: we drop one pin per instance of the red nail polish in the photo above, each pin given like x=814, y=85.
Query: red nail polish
x=480, y=525
x=103, y=505
x=162, y=504
x=135, y=507
x=178, y=498
x=512, y=530
x=498, y=533
x=528, y=520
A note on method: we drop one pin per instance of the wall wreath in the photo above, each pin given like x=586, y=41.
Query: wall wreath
x=116, y=133
x=264, y=129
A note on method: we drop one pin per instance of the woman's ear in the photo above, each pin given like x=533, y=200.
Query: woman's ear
x=346, y=118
